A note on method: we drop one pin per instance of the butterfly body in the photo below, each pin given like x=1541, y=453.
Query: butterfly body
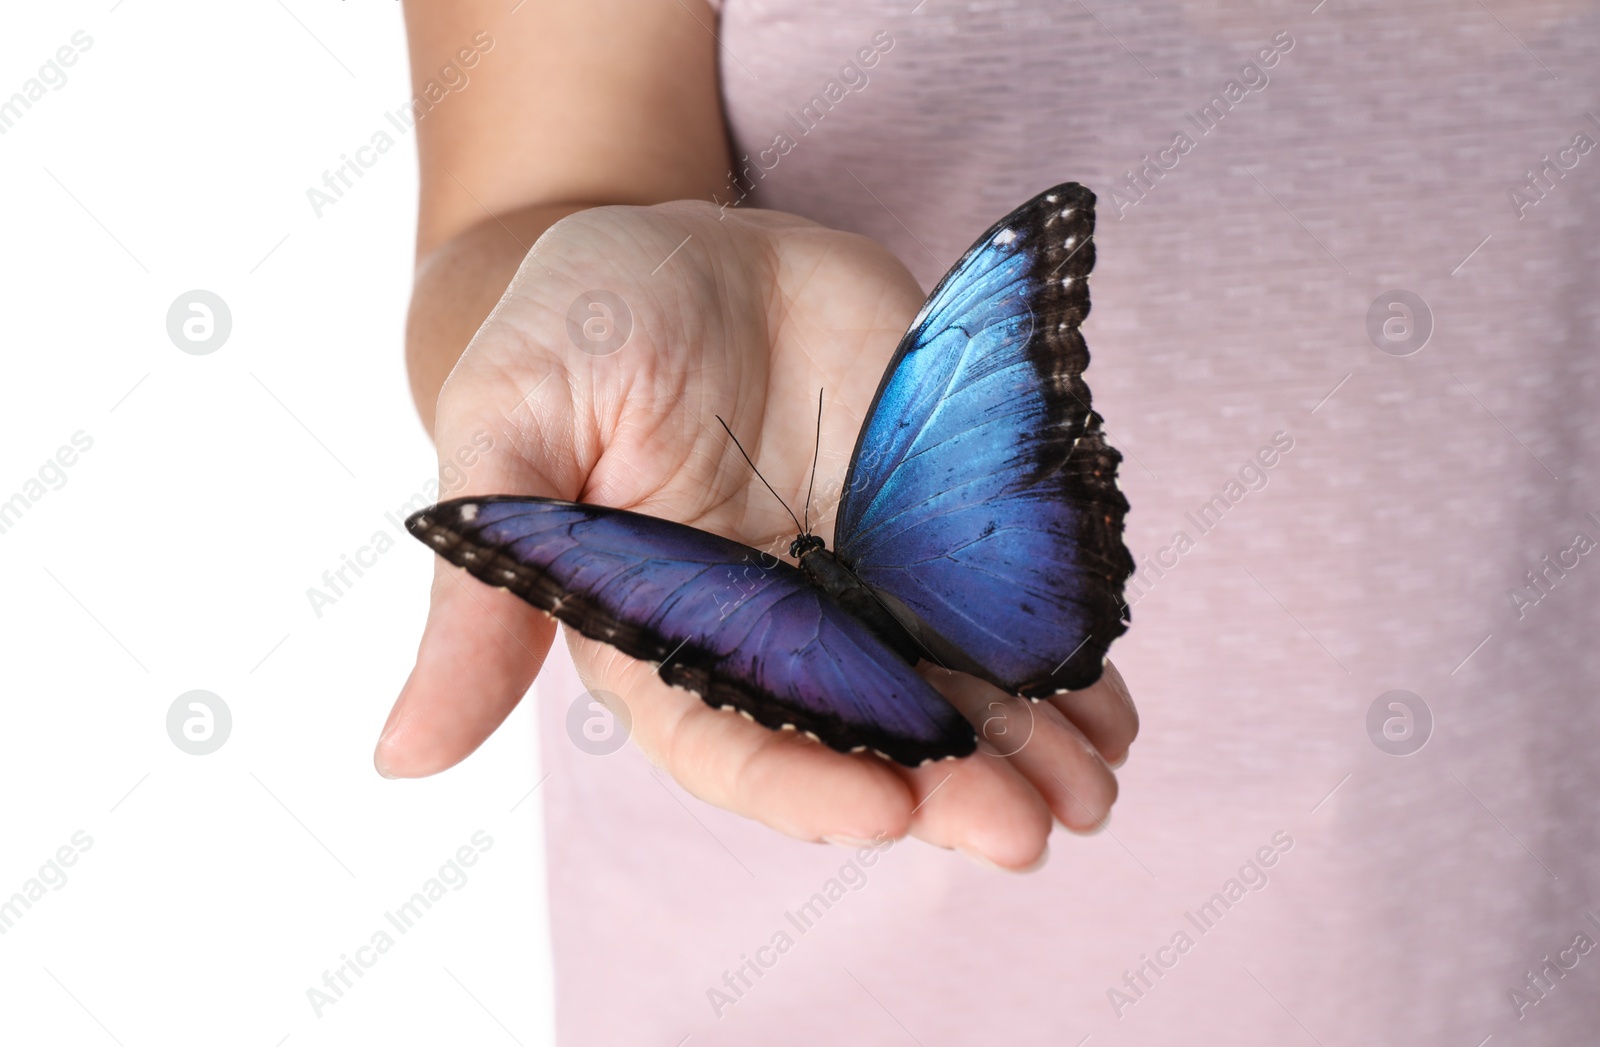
x=828, y=573
x=980, y=529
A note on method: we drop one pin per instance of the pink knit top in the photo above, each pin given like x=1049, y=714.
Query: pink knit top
x=1359, y=240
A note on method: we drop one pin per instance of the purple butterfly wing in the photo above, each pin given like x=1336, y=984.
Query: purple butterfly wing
x=739, y=628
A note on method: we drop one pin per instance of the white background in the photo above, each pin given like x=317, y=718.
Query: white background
x=179, y=551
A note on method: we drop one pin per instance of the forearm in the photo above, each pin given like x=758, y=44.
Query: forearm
x=604, y=101
x=550, y=116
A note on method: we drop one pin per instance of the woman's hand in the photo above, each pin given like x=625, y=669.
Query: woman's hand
x=742, y=314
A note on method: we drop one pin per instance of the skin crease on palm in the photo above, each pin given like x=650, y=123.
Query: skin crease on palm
x=752, y=312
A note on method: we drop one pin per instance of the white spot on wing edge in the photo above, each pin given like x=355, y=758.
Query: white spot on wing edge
x=1004, y=236
x=469, y=513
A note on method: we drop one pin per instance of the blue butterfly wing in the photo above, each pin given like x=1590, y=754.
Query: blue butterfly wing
x=719, y=618
x=981, y=502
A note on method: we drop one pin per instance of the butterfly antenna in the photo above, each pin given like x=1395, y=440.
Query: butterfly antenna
x=763, y=479
x=815, y=454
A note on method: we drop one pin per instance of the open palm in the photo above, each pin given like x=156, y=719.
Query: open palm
x=743, y=316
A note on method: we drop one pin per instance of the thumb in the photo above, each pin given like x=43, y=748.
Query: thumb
x=480, y=651
x=482, y=646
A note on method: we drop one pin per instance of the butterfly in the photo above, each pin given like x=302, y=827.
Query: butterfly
x=980, y=528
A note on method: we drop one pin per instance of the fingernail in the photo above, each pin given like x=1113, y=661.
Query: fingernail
x=979, y=859
x=1120, y=760
x=377, y=762
x=849, y=841
x=1095, y=830
x=383, y=736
